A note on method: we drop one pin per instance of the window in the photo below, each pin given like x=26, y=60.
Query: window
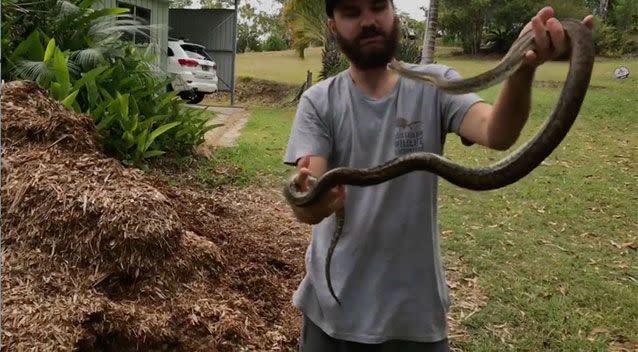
x=143, y=16
x=196, y=52
x=170, y=52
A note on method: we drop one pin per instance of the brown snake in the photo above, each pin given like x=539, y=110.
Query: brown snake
x=503, y=173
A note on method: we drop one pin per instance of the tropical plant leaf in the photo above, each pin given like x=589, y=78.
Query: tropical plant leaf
x=61, y=71
x=106, y=121
x=48, y=53
x=141, y=141
x=89, y=77
x=159, y=131
x=31, y=49
x=153, y=153
x=69, y=101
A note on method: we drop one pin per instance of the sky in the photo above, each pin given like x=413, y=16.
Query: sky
x=409, y=6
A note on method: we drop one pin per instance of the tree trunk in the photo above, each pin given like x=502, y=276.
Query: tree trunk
x=603, y=9
x=429, y=40
x=330, y=57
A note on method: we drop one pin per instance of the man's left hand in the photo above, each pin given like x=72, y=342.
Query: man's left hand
x=549, y=36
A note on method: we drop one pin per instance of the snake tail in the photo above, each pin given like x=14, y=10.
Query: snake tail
x=339, y=218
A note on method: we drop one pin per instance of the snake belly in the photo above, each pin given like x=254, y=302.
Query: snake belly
x=501, y=174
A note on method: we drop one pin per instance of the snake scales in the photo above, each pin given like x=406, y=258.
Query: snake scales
x=503, y=173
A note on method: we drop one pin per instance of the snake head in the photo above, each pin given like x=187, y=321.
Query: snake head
x=294, y=183
x=312, y=181
x=394, y=64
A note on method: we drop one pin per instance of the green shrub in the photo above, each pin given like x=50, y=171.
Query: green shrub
x=409, y=51
x=114, y=81
x=275, y=42
x=611, y=42
x=146, y=121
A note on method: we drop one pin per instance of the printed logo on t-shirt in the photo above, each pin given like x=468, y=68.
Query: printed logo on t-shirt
x=408, y=137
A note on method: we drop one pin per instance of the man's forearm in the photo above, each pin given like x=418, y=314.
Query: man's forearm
x=511, y=109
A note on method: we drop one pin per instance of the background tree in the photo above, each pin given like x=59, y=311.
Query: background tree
x=505, y=24
x=491, y=26
x=306, y=24
x=465, y=21
x=429, y=40
x=248, y=29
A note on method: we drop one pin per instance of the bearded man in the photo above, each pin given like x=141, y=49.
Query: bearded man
x=387, y=269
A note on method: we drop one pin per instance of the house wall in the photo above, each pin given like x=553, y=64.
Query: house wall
x=159, y=22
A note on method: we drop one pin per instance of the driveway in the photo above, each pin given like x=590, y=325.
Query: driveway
x=233, y=120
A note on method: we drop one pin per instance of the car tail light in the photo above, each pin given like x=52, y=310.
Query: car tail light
x=188, y=62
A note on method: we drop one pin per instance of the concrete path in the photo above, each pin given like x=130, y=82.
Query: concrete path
x=233, y=120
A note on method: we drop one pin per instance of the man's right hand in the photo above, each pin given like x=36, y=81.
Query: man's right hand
x=308, y=167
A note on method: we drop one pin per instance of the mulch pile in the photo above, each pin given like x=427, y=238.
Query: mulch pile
x=98, y=256
x=102, y=257
x=253, y=91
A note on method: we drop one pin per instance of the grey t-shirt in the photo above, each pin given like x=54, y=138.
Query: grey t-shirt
x=386, y=269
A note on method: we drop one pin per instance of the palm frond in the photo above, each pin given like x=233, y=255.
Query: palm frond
x=306, y=21
x=104, y=27
x=36, y=71
x=67, y=8
x=74, y=68
x=89, y=57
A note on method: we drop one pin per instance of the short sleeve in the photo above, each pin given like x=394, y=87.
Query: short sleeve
x=310, y=135
x=454, y=107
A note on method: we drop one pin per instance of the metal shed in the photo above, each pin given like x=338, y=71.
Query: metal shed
x=216, y=29
x=153, y=13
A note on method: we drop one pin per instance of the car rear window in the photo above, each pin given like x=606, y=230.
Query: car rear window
x=195, y=52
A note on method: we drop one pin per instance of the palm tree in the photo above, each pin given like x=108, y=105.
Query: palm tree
x=307, y=23
x=429, y=39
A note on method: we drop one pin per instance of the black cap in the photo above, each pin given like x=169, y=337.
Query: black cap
x=330, y=7
x=331, y=4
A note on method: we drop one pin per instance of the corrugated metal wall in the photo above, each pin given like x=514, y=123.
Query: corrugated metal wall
x=159, y=22
x=214, y=29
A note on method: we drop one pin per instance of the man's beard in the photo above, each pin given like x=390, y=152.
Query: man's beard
x=371, y=58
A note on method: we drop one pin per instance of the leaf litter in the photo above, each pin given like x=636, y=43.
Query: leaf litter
x=99, y=256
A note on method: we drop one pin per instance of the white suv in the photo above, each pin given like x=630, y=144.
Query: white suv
x=195, y=71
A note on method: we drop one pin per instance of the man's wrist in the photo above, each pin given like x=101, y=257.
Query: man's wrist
x=306, y=216
x=526, y=71
x=524, y=75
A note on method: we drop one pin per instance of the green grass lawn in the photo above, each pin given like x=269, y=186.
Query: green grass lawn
x=555, y=253
x=281, y=66
x=286, y=66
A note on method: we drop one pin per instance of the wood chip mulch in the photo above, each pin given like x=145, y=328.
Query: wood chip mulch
x=98, y=256
x=101, y=257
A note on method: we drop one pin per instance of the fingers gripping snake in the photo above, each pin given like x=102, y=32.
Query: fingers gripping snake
x=503, y=173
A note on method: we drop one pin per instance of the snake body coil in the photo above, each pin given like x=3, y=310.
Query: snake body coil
x=503, y=173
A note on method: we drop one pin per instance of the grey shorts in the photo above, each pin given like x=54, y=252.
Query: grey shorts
x=313, y=339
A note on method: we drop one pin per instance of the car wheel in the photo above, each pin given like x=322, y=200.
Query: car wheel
x=196, y=98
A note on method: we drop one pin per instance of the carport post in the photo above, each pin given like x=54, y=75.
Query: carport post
x=232, y=89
